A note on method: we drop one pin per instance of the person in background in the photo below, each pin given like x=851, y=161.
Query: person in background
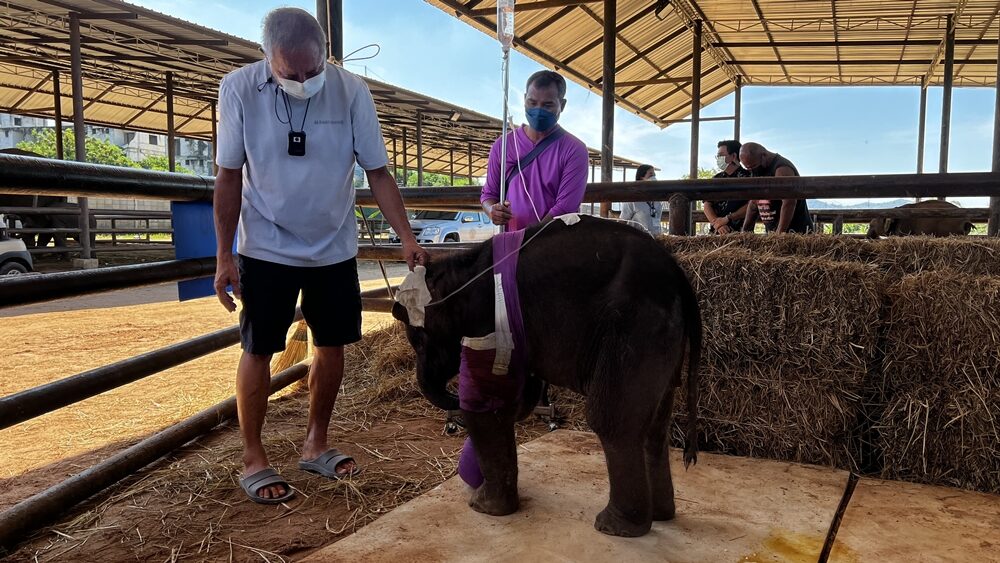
x=649, y=214
x=778, y=215
x=727, y=216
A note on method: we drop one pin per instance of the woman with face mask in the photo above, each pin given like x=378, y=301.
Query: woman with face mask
x=645, y=214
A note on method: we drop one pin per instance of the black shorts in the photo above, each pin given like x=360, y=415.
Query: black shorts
x=331, y=303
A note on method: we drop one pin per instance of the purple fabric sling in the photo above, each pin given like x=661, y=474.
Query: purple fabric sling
x=479, y=390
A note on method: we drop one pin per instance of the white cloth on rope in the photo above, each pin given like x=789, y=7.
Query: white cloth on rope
x=414, y=295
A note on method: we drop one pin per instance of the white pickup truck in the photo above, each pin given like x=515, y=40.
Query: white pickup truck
x=14, y=256
x=448, y=226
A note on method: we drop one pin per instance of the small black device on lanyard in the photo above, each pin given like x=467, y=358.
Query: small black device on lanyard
x=296, y=139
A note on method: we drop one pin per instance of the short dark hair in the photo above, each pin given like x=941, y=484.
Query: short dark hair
x=732, y=147
x=640, y=172
x=546, y=78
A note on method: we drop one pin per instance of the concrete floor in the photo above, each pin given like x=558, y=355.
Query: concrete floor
x=728, y=509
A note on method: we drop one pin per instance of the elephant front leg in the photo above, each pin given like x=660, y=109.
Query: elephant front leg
x=496, y=451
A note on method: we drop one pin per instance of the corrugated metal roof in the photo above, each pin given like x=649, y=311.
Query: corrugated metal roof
x=127, y=51
x=759, y=42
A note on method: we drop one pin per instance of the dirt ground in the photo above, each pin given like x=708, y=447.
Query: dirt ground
x=188, y=506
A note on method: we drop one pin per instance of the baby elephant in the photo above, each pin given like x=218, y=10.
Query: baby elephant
x=932, y=226
x=591, y=305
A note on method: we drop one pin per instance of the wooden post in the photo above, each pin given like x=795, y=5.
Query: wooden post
x=608, y=98
x=838, y=225
x=420, y=148
x=993, y=229
x=57, y=94
x=738, y=110
x=171, y=151
x=680, y=214
x=336, y=15
x=79, y=130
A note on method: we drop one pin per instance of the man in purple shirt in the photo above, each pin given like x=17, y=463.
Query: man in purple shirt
x=554, y=182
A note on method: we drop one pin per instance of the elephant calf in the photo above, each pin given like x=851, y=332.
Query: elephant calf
x=606, y=312
x=933, y=226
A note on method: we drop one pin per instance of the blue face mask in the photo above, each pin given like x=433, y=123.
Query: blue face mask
x=541, y=120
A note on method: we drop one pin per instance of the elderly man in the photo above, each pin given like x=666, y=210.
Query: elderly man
x=291, y=128
x=546, y=166
x=779, y=215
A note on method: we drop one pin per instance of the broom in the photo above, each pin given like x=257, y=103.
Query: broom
x=295, y=351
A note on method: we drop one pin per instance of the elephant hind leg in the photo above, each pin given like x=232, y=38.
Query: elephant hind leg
x=658, y=460
x=629, y=512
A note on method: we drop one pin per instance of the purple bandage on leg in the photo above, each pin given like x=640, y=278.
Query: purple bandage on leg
x=468, y=466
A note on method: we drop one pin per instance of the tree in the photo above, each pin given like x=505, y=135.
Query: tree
x=162, y=163
x=703, y=174
x=99, y=151
x=432, y=179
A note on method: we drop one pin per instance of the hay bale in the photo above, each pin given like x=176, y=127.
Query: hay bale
x=942, y=381
x=843, y=249
x=900, y=256
x=897, y=256
x=789, y=344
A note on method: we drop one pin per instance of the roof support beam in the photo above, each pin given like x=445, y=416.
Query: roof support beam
x=29, y=93
x=949, y=80
x=738, y=108
x=171, y=132
x=608, y=97
x=993, y=228
x=57, y=95
x=536, y=5
x=921, y=130
x=618, y=29
x=79, y=131
x=462, y=10
x=770, y=36
x=142, y=111
x=695, y=99
x=951, y=21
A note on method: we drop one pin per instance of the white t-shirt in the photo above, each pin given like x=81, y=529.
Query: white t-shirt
x=298, y=210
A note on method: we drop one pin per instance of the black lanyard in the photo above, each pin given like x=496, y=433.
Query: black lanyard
x=288, y=112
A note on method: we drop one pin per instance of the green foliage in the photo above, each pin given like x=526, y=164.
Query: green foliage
x=703, y=173
x=162, y=163
x=99, y=151
x=432, y=179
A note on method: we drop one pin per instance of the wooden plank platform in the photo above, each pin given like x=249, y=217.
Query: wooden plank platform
x=896, y=521
x=728, y=509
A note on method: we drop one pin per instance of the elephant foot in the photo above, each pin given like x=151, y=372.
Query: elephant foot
x=665, y=512
x=495, y=502
x=610, y=522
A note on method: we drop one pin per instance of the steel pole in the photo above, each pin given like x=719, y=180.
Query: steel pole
x=79, y=130
x=608, y=98
x=40, y=509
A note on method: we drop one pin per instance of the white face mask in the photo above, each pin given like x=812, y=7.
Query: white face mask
x=651, y=178
x=721, y=162
x=303, y=90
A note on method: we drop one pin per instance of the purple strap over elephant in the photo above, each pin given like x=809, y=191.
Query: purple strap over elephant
x=479, y=388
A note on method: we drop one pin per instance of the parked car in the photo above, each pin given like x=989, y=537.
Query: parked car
x=14, y=256
x=448, y=226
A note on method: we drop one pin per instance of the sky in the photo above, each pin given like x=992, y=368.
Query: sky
x=823, y=130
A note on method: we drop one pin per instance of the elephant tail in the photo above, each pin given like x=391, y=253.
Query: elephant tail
x=693, y=333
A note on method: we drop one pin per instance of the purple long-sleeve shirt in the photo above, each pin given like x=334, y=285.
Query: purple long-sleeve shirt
x=555, y=181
